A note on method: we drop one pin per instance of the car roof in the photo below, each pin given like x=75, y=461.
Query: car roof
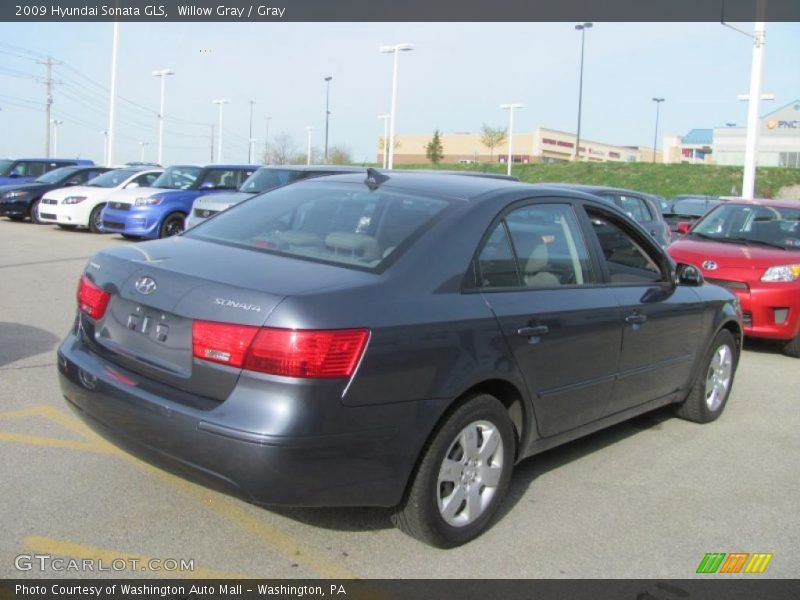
x=315, y=168
x=453, y=185
x=215, y=166
x=76, y=161
x=590, y=188
x=765, y=202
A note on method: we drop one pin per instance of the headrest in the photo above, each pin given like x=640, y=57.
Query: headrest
x=357, y=244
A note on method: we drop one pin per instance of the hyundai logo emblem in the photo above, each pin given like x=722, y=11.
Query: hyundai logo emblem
x=708, y=265
x=145, y=285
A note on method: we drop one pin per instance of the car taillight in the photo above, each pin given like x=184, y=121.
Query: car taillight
x=313, y=354
x=92, y=300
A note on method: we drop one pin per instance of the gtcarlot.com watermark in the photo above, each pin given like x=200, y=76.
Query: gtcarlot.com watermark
x=47, y=562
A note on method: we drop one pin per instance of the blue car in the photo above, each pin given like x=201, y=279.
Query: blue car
x=23, y=170
x=160, y=211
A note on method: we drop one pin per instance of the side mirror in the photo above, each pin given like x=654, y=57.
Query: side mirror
x=684, y=227
x=131, y=185
x=689, y=275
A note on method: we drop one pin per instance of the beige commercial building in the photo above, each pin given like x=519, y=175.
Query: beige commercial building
x=541, y=146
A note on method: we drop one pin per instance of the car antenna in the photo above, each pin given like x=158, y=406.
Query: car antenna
x=374, y=179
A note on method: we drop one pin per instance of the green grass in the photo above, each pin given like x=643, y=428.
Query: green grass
x=664, y=180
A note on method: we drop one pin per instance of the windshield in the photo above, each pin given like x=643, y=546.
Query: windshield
x=177, y=178
x=266, y=179
x=112, y=178
x=767, y=225
x=338, y=223
x=5, y=167
x=56, y=175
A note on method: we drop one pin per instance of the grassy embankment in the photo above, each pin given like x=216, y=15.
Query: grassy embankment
x=664, y=180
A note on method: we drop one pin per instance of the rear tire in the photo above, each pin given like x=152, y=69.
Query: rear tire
x=172, y=225
x=709, y=394
x=792, y=347
x=462, y=477
x=96, y=219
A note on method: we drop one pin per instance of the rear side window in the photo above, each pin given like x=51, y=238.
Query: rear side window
x=635, y=208
x=626, y=260
x=339, y=223
x=536, y=246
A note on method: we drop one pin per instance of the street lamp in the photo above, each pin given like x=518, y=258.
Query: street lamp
x=104, y=133
x=385, y=119
x=327, y=112
x=582, y=28
x=266, y=142
x=162, y=73
x=55, y=123
x=396, y=49
x=510, y=108
x=220, y=102
x=309, y=129
x=250, y=140
x=142, y=146
x=658, y=102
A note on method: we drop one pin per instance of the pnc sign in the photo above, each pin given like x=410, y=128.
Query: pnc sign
x=783, y=124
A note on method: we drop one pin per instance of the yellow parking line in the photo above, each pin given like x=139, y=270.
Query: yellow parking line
x=37, y=440
x=43, y=545
x=282, y=542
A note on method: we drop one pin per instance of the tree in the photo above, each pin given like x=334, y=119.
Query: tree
x=434, y=150
x=339, y=155
x=282, y=149
x=492, y=137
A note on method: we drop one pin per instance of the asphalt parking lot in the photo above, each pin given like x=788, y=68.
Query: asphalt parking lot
x=644, y=499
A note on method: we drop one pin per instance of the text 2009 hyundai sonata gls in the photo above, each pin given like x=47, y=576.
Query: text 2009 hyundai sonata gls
x=396, y=341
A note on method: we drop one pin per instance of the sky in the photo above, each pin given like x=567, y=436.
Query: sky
x=453, y=81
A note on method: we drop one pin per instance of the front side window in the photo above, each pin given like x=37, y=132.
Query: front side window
x=626, y=259
x=218, y=179
x=545, y=250
x=339, y=223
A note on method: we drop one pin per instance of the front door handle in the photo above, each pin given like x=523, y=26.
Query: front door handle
x=636, y=319
x=533, y=331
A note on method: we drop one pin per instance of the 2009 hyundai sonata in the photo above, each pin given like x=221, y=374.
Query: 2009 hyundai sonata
x=398, y=340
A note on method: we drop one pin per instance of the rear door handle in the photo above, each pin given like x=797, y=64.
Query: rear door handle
x=533, y=331
x=636, y=319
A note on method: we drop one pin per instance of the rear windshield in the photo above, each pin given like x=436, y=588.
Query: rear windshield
x=177, y=178
x=331, y=222
x=266, y=179
x=112, y=178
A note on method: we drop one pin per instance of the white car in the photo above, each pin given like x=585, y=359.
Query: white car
x=82, y=206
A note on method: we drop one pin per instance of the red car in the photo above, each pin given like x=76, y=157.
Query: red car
x=752, y=247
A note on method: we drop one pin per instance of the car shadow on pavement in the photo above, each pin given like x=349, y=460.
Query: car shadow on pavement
x=374, y=519
x=763, y=346
x=21, y=341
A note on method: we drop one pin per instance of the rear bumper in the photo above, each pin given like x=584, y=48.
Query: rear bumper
x=357, y=467
x=771, y=311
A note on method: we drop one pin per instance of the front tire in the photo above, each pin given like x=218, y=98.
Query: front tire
x=709, y=394
x=792, y=347
x=462, y=477
x=34, y=212
x=172, y=225
x=96, y=219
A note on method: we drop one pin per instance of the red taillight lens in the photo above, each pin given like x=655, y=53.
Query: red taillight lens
x=92, y=300
x=313, y=354
x=222, y=342
x=328, y=354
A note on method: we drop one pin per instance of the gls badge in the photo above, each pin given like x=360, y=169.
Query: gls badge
x=145, y=285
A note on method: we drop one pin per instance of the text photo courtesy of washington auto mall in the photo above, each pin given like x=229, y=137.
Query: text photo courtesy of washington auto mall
x=443, y=299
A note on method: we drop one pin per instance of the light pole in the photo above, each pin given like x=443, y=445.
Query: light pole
x=385, y=119
x=250, y=141
x=220, y=102
x=510, y=108
x=105, y=146
x=55, y=123
x=162, y=73
x=582, y=28
x=112, y=103
x=309, y=129
x=751, y=141
x=396, y=49
x=266, y=142
x=658, y=102
x=327, y=112
x=142, y=146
